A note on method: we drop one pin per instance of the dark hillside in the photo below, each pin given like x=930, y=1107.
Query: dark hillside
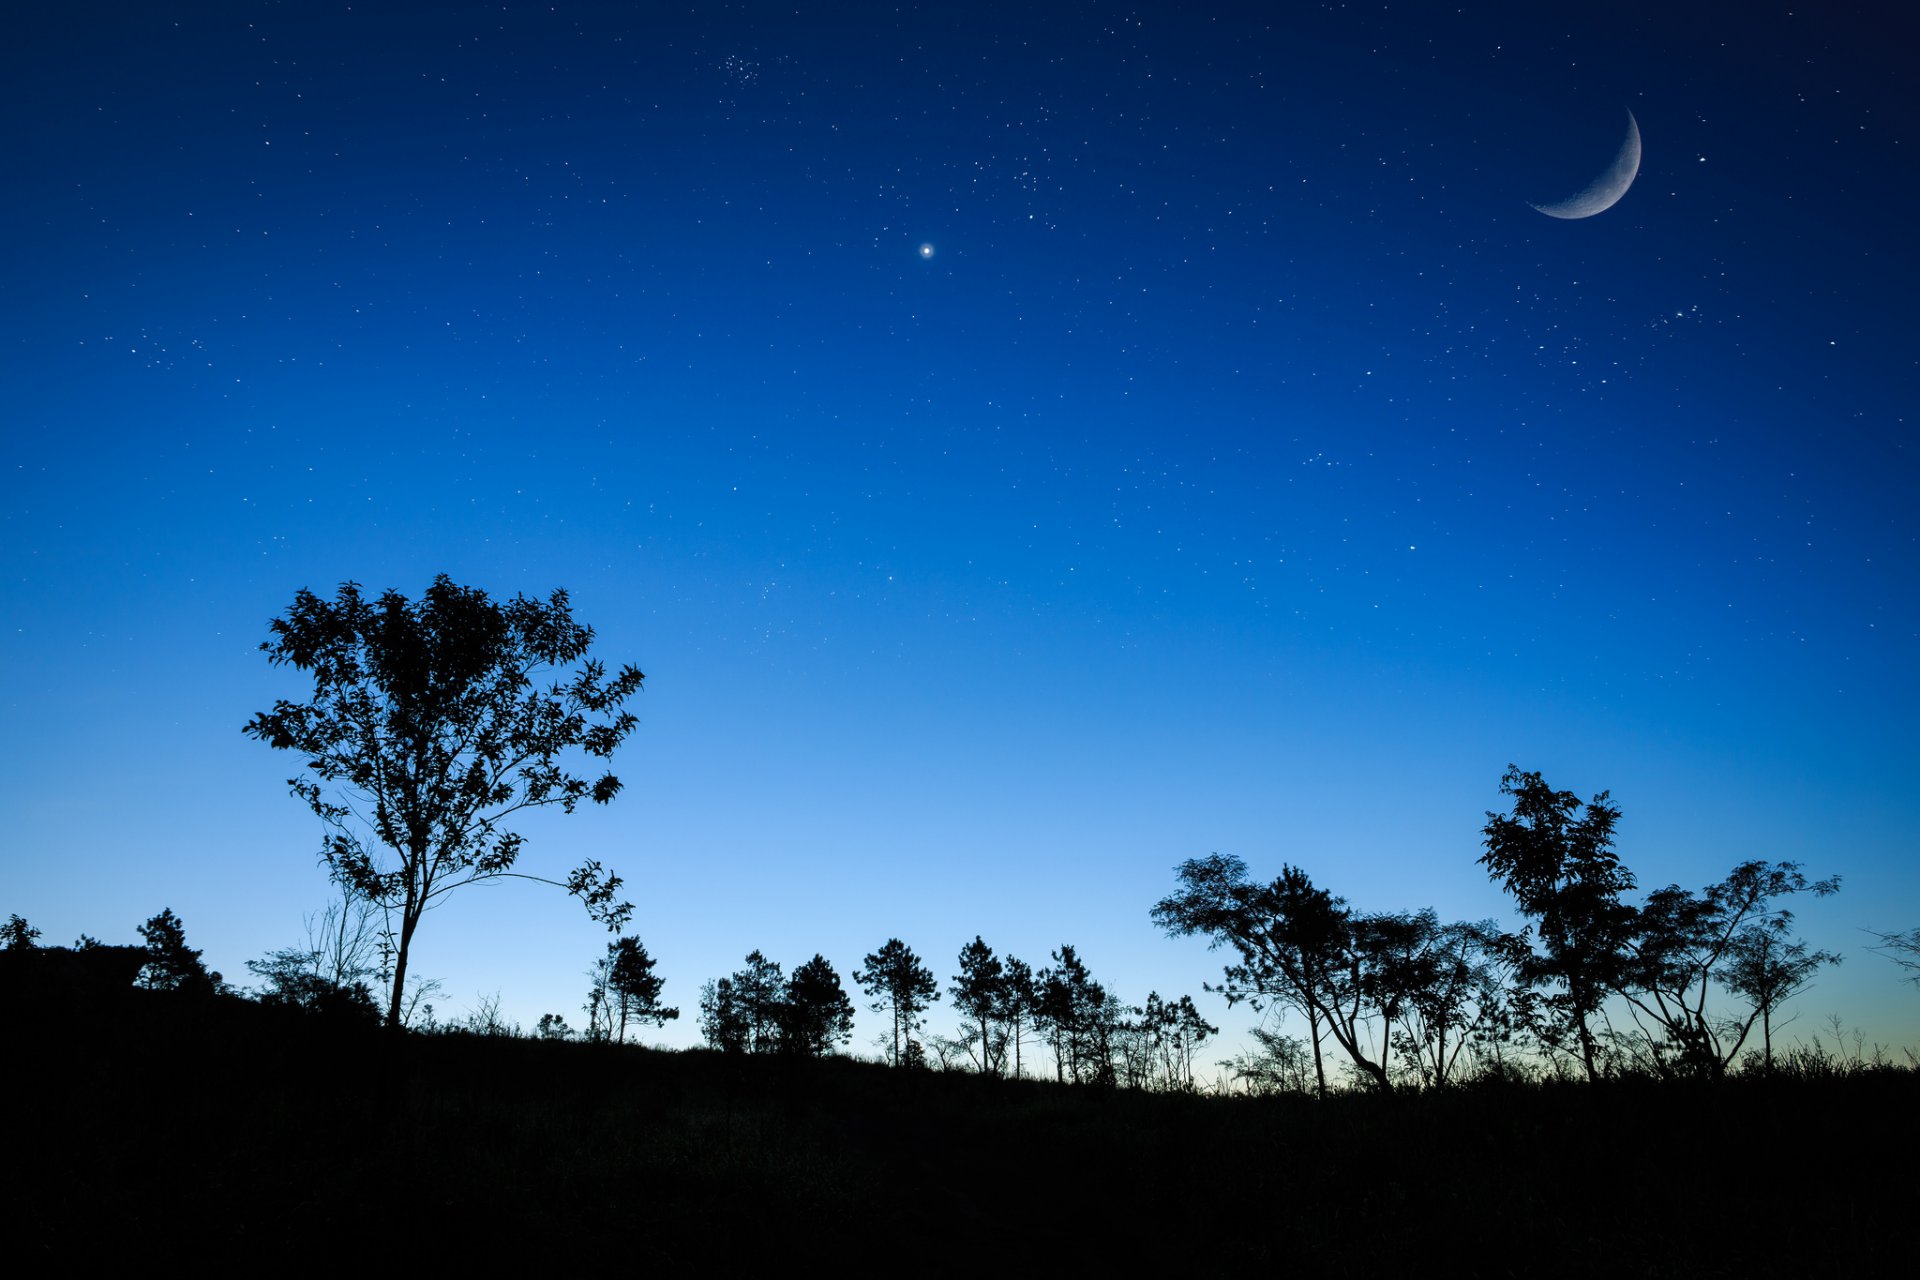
x=159, y=1127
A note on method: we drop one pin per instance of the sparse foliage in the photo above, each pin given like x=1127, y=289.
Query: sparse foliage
x=1732, y=935
x=1901, y=948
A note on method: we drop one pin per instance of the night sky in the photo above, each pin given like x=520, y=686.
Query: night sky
x=1025, y=446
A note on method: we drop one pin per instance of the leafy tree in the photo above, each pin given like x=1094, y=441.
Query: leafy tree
x=553, y=1027
x=17, y=935
x=426, y=731
x=816, y=1013
x=978, y=992
x=171, y=964
x=900, y=986
x=1299, y=946
x=1559, y=865
x=1733, y=935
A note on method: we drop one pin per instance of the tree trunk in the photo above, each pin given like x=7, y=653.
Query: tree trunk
x=407, y=922
x=1319, y=1066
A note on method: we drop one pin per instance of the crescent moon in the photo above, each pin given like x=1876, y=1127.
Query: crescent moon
x=1604, y=191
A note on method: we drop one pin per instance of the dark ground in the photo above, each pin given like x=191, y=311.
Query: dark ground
x=152, y=1128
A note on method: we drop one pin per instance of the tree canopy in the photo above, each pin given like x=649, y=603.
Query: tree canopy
x=428, y=728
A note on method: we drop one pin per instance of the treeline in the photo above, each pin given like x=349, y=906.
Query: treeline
x=1681, y=984
x=1005, y=1007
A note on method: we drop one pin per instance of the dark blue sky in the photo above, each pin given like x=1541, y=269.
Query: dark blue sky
x=1248, y=468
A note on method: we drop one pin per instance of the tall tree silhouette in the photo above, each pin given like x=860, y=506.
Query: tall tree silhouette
x=979, y=992
x=900, y=986
x=1018, y=999
x=816, y=1013
x=428, y=729
x=1559, y=865
x=1079, y=1018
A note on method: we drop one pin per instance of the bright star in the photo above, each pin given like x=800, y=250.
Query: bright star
x=926, y=251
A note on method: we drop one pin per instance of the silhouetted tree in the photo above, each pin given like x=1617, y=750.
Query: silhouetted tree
x=17, y=935
x=553, y=1027
x=329, y=974
x=1442, y=988
x=1299, y=947
x=903, y=987
x=1560, y=868
x=1166, y=1035
x=1079, y=1018
x=1018, y=999
x=979, y=993
x=426, y=731
x=1767, y=968
x=624, y=988
x=1279, y=1064
x=761, y=990
x=1684, y=943
x=171, y=964
x=292, y=979
x=634, y=988
x=816, y=1013
x=723, y=1021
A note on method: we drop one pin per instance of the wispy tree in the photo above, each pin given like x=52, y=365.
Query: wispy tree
x=902, y=987
x=1901, y=948
x=1165, y=1036
x=1732, y=935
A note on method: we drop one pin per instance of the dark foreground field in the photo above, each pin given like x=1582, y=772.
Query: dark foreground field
x=154, y=1130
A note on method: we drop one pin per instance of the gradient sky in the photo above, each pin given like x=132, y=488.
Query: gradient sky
x=1248, y=469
